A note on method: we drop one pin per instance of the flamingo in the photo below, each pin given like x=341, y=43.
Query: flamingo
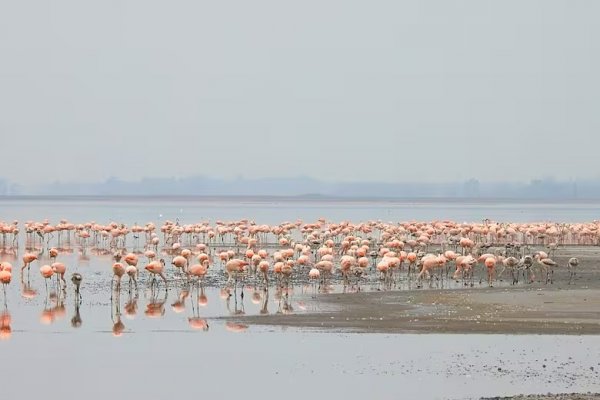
x=428, y=264
x=198, y=271
x=150, y=255
x=76, y=278
x=53, y=253
x=28, y=258
x=131, y=259
x=157, y=268
x=5, y=266
x=132, y=273
x=180, y=262
x=286, y=271
x=527, y=263
x=547, y=265
x=263, y=267
x=490, y=263
x=59, y=270
x=573, y=263
x=234, y=268
x=511, y=263
x=412, y=258
x=46, y=271
x=118, y=272
x=5, y=278
x=314, y=275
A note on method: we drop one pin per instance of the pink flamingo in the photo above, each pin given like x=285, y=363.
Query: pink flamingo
x=28, y=258
x=198, y=271
x=263, y=267
x=118, y=272
x=314, y=275
x=46, y=271
x=546, y=264
x=132, y=273
x=490, y=264
x=157, y=268
x=234, y=268
x=5, y=278
x=131, y=259
x=180, y=262
x=53, y=253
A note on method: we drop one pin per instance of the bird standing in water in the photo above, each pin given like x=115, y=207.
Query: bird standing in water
x=157, y=268
x=5, y=278
x=573, y=263
x=28, y=258
x=76, y=278
x=46, y=271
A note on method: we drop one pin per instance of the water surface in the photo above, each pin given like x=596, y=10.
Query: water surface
x=159, y=354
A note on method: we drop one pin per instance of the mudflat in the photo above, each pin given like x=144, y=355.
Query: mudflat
x=563, y=307
x=510, y=311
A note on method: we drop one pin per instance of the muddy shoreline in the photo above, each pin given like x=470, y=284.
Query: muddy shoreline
x=563, y=307
x=562, y=396
x=503, y=311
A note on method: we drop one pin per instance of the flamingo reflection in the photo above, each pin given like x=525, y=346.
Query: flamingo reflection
x=115, y=313
x=47, y=315
x=5, y=321
x=76, y=278
x=131, y=306
x=76, y=319
x=265, y=302
x=285, y=305
x=238, y=309
x=27, y=291
x=179, y=305
x=59, y=310
x=236, y=327
x=156, y=306
x=202, y=298
x=195, y=321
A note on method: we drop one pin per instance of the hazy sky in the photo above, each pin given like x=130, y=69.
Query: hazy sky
x=338, y=90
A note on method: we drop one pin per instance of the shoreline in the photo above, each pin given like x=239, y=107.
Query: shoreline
x=517, y=310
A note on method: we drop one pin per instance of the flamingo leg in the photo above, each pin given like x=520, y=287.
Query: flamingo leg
x=164, y=278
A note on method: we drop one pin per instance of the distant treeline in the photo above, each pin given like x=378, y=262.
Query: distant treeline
x=203, y=186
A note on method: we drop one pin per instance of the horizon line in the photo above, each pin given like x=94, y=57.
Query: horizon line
x=305, y=197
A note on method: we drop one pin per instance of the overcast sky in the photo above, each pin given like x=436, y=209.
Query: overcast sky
x=337, y=90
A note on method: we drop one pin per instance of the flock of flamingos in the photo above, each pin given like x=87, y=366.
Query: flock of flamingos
x=319, y=252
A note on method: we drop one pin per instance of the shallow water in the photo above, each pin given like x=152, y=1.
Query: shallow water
x=160, y=363
x=159, y=353
x=275, y=210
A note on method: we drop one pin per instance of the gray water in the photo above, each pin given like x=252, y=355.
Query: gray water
x=159, y=356
x=276, y=210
